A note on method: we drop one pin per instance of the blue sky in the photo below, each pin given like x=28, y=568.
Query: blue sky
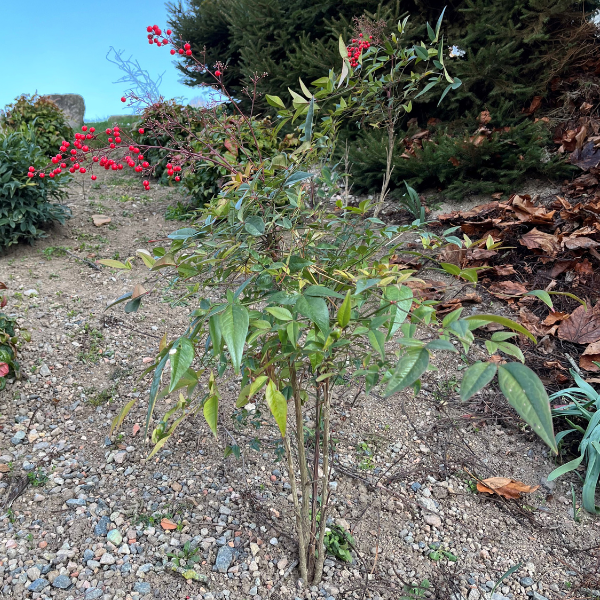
x=61, y=48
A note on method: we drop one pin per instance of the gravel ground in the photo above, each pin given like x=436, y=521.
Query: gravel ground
x=88, y=525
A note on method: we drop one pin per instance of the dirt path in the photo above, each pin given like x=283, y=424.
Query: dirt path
x=89, y=525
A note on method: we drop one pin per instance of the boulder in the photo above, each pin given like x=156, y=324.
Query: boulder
x=73, y=105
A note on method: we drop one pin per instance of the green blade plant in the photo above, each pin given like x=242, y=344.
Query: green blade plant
x=305, y=298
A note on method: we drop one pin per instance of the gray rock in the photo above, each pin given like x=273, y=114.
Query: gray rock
x=108, y=559
x=101, y=527
x=224, y=559
x=62, y=582
x=30, y=293
x=114, y=537
x=93, y=593
x=73, y=105
x=526, y=581
x=44, y=370
x=142, y=587
x=38, y=585
x=76, y=502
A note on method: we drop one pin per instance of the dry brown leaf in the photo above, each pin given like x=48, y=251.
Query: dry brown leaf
x=3, y=286
x=582, y=327
x=100, y=220
x=538, y=240
x=590, y=354
x=454, y=161
x=584, y=268
x=554, y=364
x=4, y=468
x=555, y=317
x=505, y=487
x=535, y=104
x=504, y=270
x=507, y=289
x=496, y=359
x=168, y=524
x=527, y=211
x=482, y=254
x=579, y=243
x=485, y=117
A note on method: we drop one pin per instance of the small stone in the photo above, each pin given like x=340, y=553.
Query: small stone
x=30, y=293
x=38, y=585
x=526, y=581
x=282, y=564
x=44, y=370
x=142, y=587
x=433, y=520
x=101, y=527
x=176, y=487
x=33, y=573
x=254, y=548
x=120, y=457
x=108, y=559
x=114, y=537
x=62, y=582
x=415, y=486
x=38, y=497
x=76, y=502
x=93, y=593
x=273, y=541
x=224, y=559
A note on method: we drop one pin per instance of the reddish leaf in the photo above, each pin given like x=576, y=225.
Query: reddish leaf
x=582, y=327
x=504, y=270
x=555, y=317
x=576, y=243
x=4, y=369
x=535, y=104
x=507, y=289
x=3, y=286
x=485, y=117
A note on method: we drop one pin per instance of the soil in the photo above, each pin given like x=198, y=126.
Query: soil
x=405, y=468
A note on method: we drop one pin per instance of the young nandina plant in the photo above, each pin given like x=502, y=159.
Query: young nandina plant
x=305, y=300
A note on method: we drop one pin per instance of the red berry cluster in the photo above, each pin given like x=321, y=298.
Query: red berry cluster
x=81, y=153
x=154, y=36
x=355, y=49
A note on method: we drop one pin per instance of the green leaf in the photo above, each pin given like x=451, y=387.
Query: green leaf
x=570, y=466
x=277, y=405
x=511, y=350
x=154, y=390
x=322, y=291
x=308, y=124
x=377, y=339
x=119, y=300
x=234, y=328
x=542, y=295
x=365, y=284
x=115, y=264
x=275, y=101
x=527, y=395
x=211, y=412
x=118, y=420
x=214, y=330
x=249, y=390
x=283, y=314
x=315, y=310
x=293, y=331
x=254, y=225
x=344, y=311
x=441, y=345
x=409, y=369
x=342, y=48
x=476, y=377
x=503, y=321
x=297, y=177
x=181, y=356
x=133, y=305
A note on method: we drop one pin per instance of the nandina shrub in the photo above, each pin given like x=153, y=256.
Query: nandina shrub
x=48, y=121
x=25, y=202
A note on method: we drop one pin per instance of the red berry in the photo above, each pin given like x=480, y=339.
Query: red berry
x=31, y=169
x=146, y=182
x=149, y=28
x=120, y=167
x=187, y=46
x=218, y=73
x=63, y=165
x=151, y=41
x=94, y=178
x=95, y=159
x=177, y=168
x=30, y=174
x=141, y=157
x=82, y=170
x=123, y=99
x=169, y=166
x=92, y=129
x=118, y=140
x=169, y=32
x=145, y=164
x=51, y=175
x=181, y=50
x=140, y=131
x=170, y=172
x=177, y=178
x=188, y=52
x=85, y=149
x=76, y=166
x=173, y=51
x=84, y=128
x=42, y=175
x=73, y=152
x=108, y=131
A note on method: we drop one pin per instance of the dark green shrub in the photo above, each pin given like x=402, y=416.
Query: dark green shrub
x=25, y=205
x=48, y=121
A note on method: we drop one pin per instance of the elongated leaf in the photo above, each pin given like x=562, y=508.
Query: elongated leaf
x=570, y=466
x=293, y=331
x=118, y=420
x=181, y=356
x=133, y=305
x=503, y=321
x=409, y=369
x=254, y=225
x=154, y=390
x=249, y=390
x=444, y=345
x=214, y=329
x=322, y=291
x=165, y=261
x=183, y=234
x=314, y=309
x=542, y=295
x=277, y=405
x=308, y=124
x=275, y=101
x=403, y=298
x=377, y=339
x=344, y=311
x=297, y=177
x=283, y=314
x=476, y=377
x=211, y=412
x=588, y=493
x=115, y=264
x=119, y=300
x=234, y=328
x=146, y=257
x=158, y=446
x=527, y=395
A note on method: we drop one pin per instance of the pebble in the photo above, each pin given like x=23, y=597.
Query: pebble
x=142, y=587
x=30, y=293
x=38, y=585
x=526, y=581
x=62, y=582
x=114, y=537
x=101, y=527
x=224, y=559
